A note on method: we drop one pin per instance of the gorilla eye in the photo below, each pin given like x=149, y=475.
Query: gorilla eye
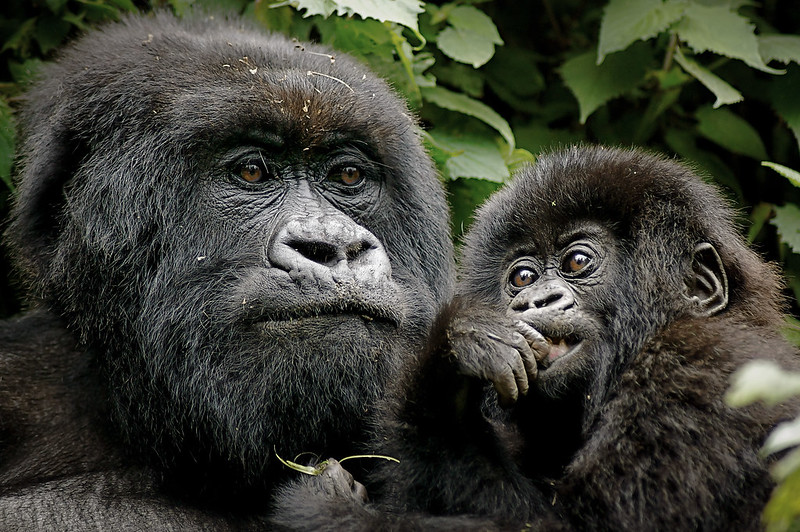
x=576, y=262
x=347, y=175
x=522, y=276
x=252, y=173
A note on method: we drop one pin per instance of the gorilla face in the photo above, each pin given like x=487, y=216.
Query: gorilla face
x=558, y=289
x=246, y=233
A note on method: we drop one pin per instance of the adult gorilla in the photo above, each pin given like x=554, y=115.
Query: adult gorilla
x=608, y=297
x=236, y=240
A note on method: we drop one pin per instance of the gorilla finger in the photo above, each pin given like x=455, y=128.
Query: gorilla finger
x=535, y=340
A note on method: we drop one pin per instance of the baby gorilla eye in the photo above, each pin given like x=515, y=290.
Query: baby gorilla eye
x=347, y=175
x=576, y=261
x=253, y=173
x=522, y=276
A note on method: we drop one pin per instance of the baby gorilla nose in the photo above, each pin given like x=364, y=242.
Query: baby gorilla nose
x=329, y=246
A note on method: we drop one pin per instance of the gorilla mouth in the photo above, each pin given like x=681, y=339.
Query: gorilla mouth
x=365, y=312
x=557, y=348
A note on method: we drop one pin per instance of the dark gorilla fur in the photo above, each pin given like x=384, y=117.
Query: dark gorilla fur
x=637, y=263
x=193, y=323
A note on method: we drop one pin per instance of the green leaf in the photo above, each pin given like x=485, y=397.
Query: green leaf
x=787, y=222
x=50, y=32
x=762, y=380
x=464, y=104
x=593, y=85
x=783, y=93
x=718, y=29
x=470, y=37
x=683, y=142
x=730, y=131
x=782, y=513
x=464, y=196
x=792, y=175
x=725, y=93
x=783, y=48
x=403, y=12
x=470, y=156
x=758, y=217
x=626, y=21
x=7, y=138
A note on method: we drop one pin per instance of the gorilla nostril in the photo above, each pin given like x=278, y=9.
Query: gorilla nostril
x=356, y=250
x=319, y=252
x=548, y=299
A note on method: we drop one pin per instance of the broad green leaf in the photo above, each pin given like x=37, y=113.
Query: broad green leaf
x=784, y=92
x=792, y=175
x=762, y=380
x=787, y=222
x=593, y=85
x=464, y=104
x=783, y=48
x=464, y=196
x=758, y=217
x=50, y=32
x=7, y=138
x=471, y=156
x=403, y=12
x=684, y=143
x=782, y=513
x=730, y=131
x=717, y=29
x=725, y=93
x=470, y=37
x=626, y=21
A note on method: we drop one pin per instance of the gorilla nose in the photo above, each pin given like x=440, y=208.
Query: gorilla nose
x=329, y=246
x=546, y=298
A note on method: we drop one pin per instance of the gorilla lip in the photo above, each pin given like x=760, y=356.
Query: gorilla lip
x=558, y=348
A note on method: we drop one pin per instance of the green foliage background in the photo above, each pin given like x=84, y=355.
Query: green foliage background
x=716, y=82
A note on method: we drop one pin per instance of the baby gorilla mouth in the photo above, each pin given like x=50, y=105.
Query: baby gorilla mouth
x=547, y=348
x=558, y=347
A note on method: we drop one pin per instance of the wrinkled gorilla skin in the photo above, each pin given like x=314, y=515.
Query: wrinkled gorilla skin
x=636, y=264
x=236, y=241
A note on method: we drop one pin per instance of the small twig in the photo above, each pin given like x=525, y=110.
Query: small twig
x=312, y=73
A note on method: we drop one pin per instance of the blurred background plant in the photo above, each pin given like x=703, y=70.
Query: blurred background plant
x=715, y=82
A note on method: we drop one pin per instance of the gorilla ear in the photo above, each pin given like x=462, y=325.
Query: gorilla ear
x=707, y=284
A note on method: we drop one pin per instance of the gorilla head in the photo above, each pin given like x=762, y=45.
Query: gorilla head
x=244, y=232
x=598, y=249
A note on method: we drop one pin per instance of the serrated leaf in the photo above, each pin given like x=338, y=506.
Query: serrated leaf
x=783, y=48
x=403, y=12
x=730, y=131
x=783, y=93
x=626, y=21
x=762, y=380
x=7, y=139
x=722, y=90
x=787, y=222
x=464, y=104
x=470, y=37
x=792, y=175
x=593, y=85
x=717, y=29
x=471, y=156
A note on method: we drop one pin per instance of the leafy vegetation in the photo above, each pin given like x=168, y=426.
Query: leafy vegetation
x=715, y=82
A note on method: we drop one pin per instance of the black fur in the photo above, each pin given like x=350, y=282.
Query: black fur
x=637, y=258
x=193, y=324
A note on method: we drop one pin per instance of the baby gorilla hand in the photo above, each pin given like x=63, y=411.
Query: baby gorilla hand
x=486, y=345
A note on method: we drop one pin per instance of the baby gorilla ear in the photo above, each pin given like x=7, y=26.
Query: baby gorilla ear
x=707, y=285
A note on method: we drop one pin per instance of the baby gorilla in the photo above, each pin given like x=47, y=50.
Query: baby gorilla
x=607, y=297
